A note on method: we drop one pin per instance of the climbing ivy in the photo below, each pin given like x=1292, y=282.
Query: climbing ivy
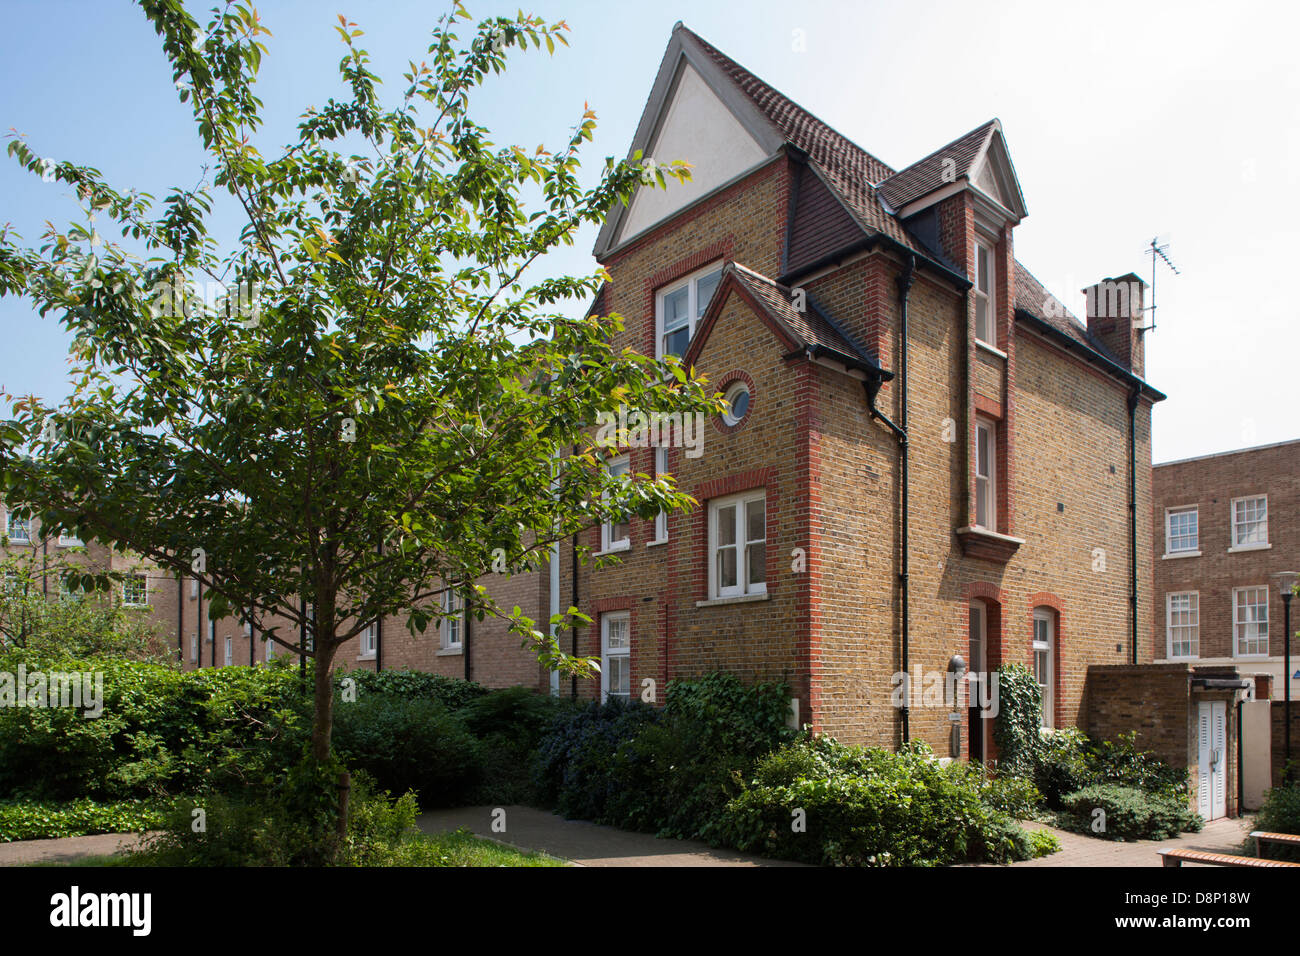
x=1020, y=715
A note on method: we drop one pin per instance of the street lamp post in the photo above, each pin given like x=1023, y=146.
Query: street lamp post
x=1286, y=586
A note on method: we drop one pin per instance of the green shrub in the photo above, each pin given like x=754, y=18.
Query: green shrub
x=1279, y=814
x=40, y=821
x=1061, y=765
x=452, y=692
x=1127, y=813
x=818, y=801
x=407, y=743
x=509, y=724
x=1120, y=762
x=161, y=731
x=669, y=772
x=575, y=769
x=1014, y=796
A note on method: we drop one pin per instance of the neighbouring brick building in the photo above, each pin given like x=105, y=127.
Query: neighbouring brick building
x=927, y=457
x=1224, y=525
x=36, y=560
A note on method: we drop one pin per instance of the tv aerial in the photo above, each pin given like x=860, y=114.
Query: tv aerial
x=1158, y=252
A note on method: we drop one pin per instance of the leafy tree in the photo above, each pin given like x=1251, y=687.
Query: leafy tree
x=384, y=404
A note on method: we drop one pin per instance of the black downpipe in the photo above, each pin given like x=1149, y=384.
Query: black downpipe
x=302, y=638
x=465, y=618
x=900, y=430
x=251, y=634
x=180, y=619
x=1132, y=517
x=379, y=628
x=198, y=628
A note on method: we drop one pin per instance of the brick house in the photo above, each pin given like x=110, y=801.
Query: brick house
x=1223, y=526
x=927, y=457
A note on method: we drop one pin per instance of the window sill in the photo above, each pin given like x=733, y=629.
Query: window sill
x=1249, y=547
x=989, y=545
x=991, y=349
x=655, y=544
x=450, y=651
x=616, y=549
x=738, y=599
x=366, y=657
x=1179, y=554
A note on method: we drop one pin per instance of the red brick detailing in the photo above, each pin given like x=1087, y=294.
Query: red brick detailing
x=986, y=406
x=1047, y=599
x=725, y=381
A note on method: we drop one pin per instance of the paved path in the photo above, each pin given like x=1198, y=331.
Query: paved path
x=65, y=850
x=587, y=844
x=1219, y=836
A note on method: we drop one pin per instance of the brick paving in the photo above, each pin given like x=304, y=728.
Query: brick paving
x=1219, y=836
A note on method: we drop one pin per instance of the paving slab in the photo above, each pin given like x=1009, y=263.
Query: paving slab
x=587, y=844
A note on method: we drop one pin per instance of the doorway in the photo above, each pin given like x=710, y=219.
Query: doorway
x=1212, y=764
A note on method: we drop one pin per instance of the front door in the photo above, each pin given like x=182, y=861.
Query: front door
x=1212, y=759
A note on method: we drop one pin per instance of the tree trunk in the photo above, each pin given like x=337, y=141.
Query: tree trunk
x=322, y=729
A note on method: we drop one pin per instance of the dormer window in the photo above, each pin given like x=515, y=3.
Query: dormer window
x=679, y=307
x=985, y=299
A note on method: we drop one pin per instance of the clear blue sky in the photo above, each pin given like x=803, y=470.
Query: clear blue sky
x=1124, y=120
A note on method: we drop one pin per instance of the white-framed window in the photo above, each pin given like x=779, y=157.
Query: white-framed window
x=229, y=657
x=1250, y=621
x=248, y=626
x=986, y=474
x=1183, y=624
x=270, y=649
x=1182, y=530
x=212, y=633
x=369, y=641
x=1250, y=521
x=738, y=545
x=194, y=588
x=310, y=628
x=616, y=535
x=737, y=398
x=985, y=294
x=135, y=590
x=615, y=655
x=661, y=519
x=194, y=647
x=1044, y=636
x=678, y=308
x=452, y=624
x=18, y=529
x=70, y=541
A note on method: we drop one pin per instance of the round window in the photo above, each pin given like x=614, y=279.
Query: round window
x=737, y=397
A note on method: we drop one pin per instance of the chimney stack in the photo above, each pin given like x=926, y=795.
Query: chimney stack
x=1116, y=318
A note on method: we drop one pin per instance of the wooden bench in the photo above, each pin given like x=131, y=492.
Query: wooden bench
x=1177, y=857
x=1263, y=836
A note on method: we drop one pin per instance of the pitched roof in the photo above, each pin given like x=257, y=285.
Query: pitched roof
x=927, y=175
x=866, y=188
x=1032, y=297
x=807, y=327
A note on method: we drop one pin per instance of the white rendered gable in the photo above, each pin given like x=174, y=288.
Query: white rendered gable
x=695, y=126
